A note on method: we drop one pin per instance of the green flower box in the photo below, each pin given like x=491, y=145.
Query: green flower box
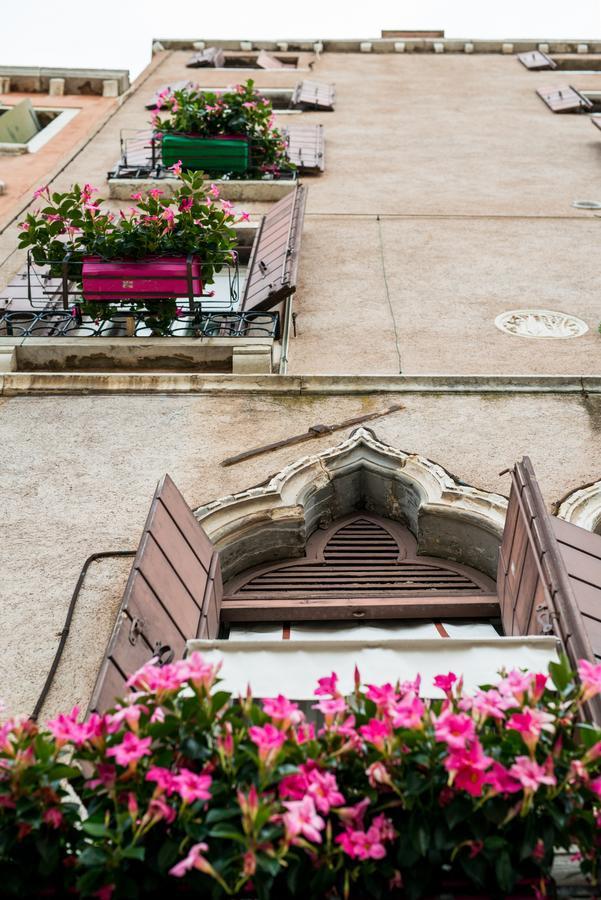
x=215, y=155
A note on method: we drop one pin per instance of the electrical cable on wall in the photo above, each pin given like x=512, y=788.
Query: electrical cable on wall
x=392, y=316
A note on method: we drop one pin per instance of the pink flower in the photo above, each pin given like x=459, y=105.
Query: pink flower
x=66, y=728
x=53, y=817
x=199, y=672
x=376, y=732
x=268, y=739
x=538, y=685
x=41, y=190
x=244, y=217
x=136, y=196
x=53, y=217
x=323, y=787
x=362, y=844
x=501, y=781
x=454, y=729
x=159, y=810
x=531, y=775
x=177, y=168
x=530, y=723
x=327, y=686
x=590, y=676
x=157, y=679
x=331, y=707
x=282, y=710
x=107, y=775
x=490, y=704
x=214, y=191
x=445, y=682
x=352, y=816
x=383, y=696
x=194, y=860
x=24, y=226
x=408, y=713
x=301, y=819
x=515, y=684
x=129, y=714
x=304, y=733
x=191, y=787
x=163, y=778
x=293, y=787
x=155, y=193
x=186, y=204
x=105, y=892
x=595, y=786
x=131, y=749
x=466, y=766
x=378, y=775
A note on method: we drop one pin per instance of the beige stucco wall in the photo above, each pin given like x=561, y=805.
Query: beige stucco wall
x=77, y=476
x=473, y=180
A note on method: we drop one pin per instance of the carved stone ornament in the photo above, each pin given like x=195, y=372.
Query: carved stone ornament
x=274, y=521
x=540, y=323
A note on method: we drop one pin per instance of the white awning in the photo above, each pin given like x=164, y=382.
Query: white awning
x=292, y=667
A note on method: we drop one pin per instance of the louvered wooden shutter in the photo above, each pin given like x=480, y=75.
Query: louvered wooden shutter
x=536, y=61
x=211, y=56
x=314, y=95
x=564, y=100
x=306, y=147
x=537, y=594
x=274, y=259
x=267, y=61
x=173, y=594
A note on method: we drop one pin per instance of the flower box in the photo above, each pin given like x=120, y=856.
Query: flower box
x=215, y=155
x=155, y=278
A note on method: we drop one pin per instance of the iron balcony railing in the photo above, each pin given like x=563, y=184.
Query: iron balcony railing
x=141, y=158
x=38, y=304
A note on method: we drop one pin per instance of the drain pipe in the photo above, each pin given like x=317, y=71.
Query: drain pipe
x=283, y=369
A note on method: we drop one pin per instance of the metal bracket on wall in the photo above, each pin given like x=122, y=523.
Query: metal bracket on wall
x=313, y=432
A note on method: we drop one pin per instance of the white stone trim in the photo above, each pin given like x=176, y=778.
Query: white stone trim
x=583, y=507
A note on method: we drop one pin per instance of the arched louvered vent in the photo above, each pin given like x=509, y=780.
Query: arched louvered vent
x=363, y=556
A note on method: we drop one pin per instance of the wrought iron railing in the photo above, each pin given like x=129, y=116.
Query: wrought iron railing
x=40, y=304
x=141, y=157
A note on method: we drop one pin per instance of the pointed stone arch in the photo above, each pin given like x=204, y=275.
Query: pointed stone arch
x=447, y=518
x=582, y=507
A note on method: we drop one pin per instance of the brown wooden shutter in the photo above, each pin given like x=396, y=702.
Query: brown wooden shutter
x=210, y=56
x=564, y=100
x=173, y=594
x=267, y=61
x=537, y=594
x=306, y=147
x=314, y=95
x=274, y=258
x=536, y=60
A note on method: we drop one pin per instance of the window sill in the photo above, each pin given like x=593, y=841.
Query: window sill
x=260, y=191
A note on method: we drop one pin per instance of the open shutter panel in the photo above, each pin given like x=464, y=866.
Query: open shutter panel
x=306, y=147
x=314, y=95
x=211, y=56
x=564, y=100
x=581, y=553
x=274, y=260
x=537, y=61
x=536, y=592
x=267, y=61
x=173, y=594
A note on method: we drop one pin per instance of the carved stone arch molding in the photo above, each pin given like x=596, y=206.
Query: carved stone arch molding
x=583, y=507
x=273, y=521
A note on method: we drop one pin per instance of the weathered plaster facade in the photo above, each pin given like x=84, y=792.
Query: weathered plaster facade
x=446, y=200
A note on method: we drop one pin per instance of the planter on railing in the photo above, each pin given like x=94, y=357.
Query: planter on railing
x=155, y=278
x=215, y=155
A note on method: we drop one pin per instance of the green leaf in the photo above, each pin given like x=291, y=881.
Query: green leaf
x=224, y=831
x=561, y=673
x=95, y=829
x=589, y=734
x=134, y=853
x=93, y=856
x=218, y=815
x=505, y=875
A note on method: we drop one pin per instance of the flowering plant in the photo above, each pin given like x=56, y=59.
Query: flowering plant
x=240, y=111
x=73, y=225
x=180, y=788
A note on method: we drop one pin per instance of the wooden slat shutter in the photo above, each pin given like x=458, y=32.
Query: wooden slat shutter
x=536, y=593
x=210, y=56
x=274, y=259
x=536, y=60
x=267, y=61
x=581, y=553
x=564, y=100
x=173, y=594
x=314, y=95
x=306, y=147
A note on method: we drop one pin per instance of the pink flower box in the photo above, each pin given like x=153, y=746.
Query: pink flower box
x=148, y=279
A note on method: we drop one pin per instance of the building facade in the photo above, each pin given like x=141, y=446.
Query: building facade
x=433, y=302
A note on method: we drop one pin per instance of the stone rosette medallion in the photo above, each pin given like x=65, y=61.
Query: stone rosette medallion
x=540, y=323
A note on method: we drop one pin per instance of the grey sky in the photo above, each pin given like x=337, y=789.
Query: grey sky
x=118, y=33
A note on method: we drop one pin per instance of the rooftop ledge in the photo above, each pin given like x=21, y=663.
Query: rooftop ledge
x=388, y=45
x=33, y=79
x=242, y=190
